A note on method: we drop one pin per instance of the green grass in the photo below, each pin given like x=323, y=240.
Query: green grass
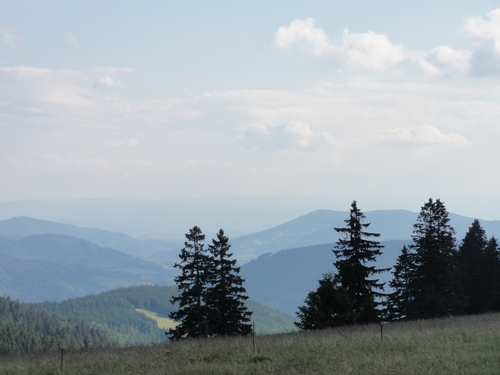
x=464, y=345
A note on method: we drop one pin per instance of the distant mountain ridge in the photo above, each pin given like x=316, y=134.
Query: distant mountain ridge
x=316, y=228
x=283, y=279
x=18, y=227
x=55, y=267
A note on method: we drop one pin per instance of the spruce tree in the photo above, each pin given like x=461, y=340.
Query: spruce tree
x=398, y=302
x=192, y=312
x=326, y=307
x=225, y=294
x=435, y=286
x=490, y=279
x=470, y=257
x=355, y=251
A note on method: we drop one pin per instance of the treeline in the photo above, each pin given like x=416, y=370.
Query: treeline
x=23, y=330
x=433, y=277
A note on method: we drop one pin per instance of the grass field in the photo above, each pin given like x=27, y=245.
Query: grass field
x=462, y=345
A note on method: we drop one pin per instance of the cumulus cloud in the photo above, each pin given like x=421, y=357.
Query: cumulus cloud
x=486, y=32
x=129, y=143
x=485, y=28
x=445, y=59
x=71, y=40
x=311, y=39
x=9, y=37
x=110, y=83
x=369, y=51
x=425, y=134
x=275, y=138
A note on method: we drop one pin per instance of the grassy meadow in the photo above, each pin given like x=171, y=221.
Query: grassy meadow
x=459, y=345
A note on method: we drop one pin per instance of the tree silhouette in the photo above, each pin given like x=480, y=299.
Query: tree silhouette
x=227, y=314
x=435, y=286
x=326, y=307
x=192, y=313
x=355, y=251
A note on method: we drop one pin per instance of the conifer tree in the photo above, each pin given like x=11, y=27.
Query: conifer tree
x=192, y=313
x=355, y=251
x=326, y=307
x=225, y=294
x=470, y=257
x=490, y=279
x=398, y=304
x=435, y=286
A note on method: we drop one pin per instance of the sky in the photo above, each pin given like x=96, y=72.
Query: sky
x=384, y=102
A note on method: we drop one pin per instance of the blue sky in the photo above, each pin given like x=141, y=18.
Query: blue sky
x=384, y=102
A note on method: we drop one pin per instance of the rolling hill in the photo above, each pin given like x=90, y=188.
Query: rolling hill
x=126, y=313
x=19, y=227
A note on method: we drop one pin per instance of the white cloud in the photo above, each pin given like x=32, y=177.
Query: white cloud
x=445, y=59
x=129, y=143
x=316, y=40
x=9, y=37
x=110, y=83
x=424, y=134
x=275, y=138
x=71, y=40
x=486, y=32
x=369, y=51
x=486, y=27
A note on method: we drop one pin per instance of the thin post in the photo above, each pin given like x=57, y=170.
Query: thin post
x=381, y=331
x=253, y=336
x=62, y=359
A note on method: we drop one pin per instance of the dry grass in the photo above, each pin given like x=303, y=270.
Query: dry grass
x=465, y=345
x=163, y=323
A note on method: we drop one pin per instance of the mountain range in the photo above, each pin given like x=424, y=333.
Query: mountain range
x=41, y=260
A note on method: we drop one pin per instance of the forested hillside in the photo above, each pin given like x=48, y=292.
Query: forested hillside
x=24, y=329
x=116, y=311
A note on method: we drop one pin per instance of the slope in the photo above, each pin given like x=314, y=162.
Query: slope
x=23, y=330
x=116, y=311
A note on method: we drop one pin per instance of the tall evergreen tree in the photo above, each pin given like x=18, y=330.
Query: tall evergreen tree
x=435, y=284
x=326, y=307
x=354, y=251
x=227, y=314
x=192, y=312
x=398, y=302
x=470, y=257
x=490, y=279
